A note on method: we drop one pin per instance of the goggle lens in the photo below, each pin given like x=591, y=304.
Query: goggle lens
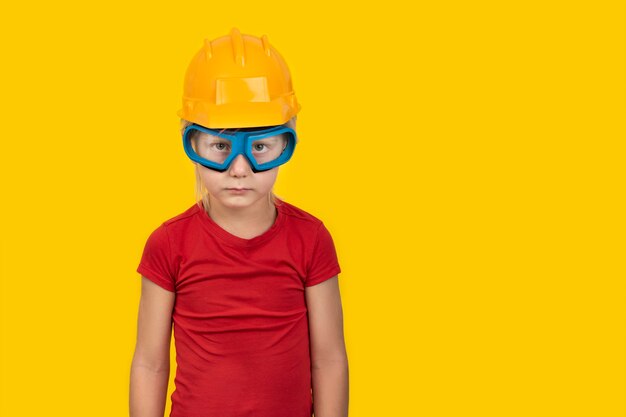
x=218, y=149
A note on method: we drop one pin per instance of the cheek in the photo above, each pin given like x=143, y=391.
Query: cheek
x=207, y=177
x=269, y=177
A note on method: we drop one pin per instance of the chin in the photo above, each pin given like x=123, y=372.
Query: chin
x=238, y=201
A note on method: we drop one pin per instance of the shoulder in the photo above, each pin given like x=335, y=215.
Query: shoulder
x=183, y=217
x=177, y=224
x=297, y=217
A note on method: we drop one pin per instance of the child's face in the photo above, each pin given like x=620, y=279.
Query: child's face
x=239, y=174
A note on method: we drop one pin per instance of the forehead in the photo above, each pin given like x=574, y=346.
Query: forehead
x=244, y=129
x=235, y=130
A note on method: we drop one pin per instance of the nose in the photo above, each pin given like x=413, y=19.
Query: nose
x=239, y=167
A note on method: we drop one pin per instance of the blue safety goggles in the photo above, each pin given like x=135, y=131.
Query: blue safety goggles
x=264, y=148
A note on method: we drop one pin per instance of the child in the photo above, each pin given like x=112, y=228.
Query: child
x=248, y=281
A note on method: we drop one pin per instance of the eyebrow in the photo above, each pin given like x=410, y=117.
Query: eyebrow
x=211, y=136
x=270, y=138
x=208, y=137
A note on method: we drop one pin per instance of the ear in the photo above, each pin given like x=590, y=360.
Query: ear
x=292, y=122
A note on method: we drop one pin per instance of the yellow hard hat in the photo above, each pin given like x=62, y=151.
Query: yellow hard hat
x=238, y=81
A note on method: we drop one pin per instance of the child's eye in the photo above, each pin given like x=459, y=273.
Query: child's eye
x=266, y=145
x=220, y=146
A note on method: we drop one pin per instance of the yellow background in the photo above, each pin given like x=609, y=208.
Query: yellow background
x=466, y=156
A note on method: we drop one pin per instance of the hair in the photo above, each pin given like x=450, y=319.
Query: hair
x=201, y=193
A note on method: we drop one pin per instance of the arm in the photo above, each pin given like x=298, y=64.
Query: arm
x=150, y=367
x=329, y=361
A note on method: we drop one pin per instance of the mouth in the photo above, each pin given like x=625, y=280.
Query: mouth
x=237, y=190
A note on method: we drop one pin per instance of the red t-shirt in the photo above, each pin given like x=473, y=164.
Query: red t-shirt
x=240, y=319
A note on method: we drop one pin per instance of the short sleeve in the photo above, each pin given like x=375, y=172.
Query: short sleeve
x=156, y=260
x=324, y=263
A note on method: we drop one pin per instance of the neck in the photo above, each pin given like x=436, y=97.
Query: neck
x=245, y=222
